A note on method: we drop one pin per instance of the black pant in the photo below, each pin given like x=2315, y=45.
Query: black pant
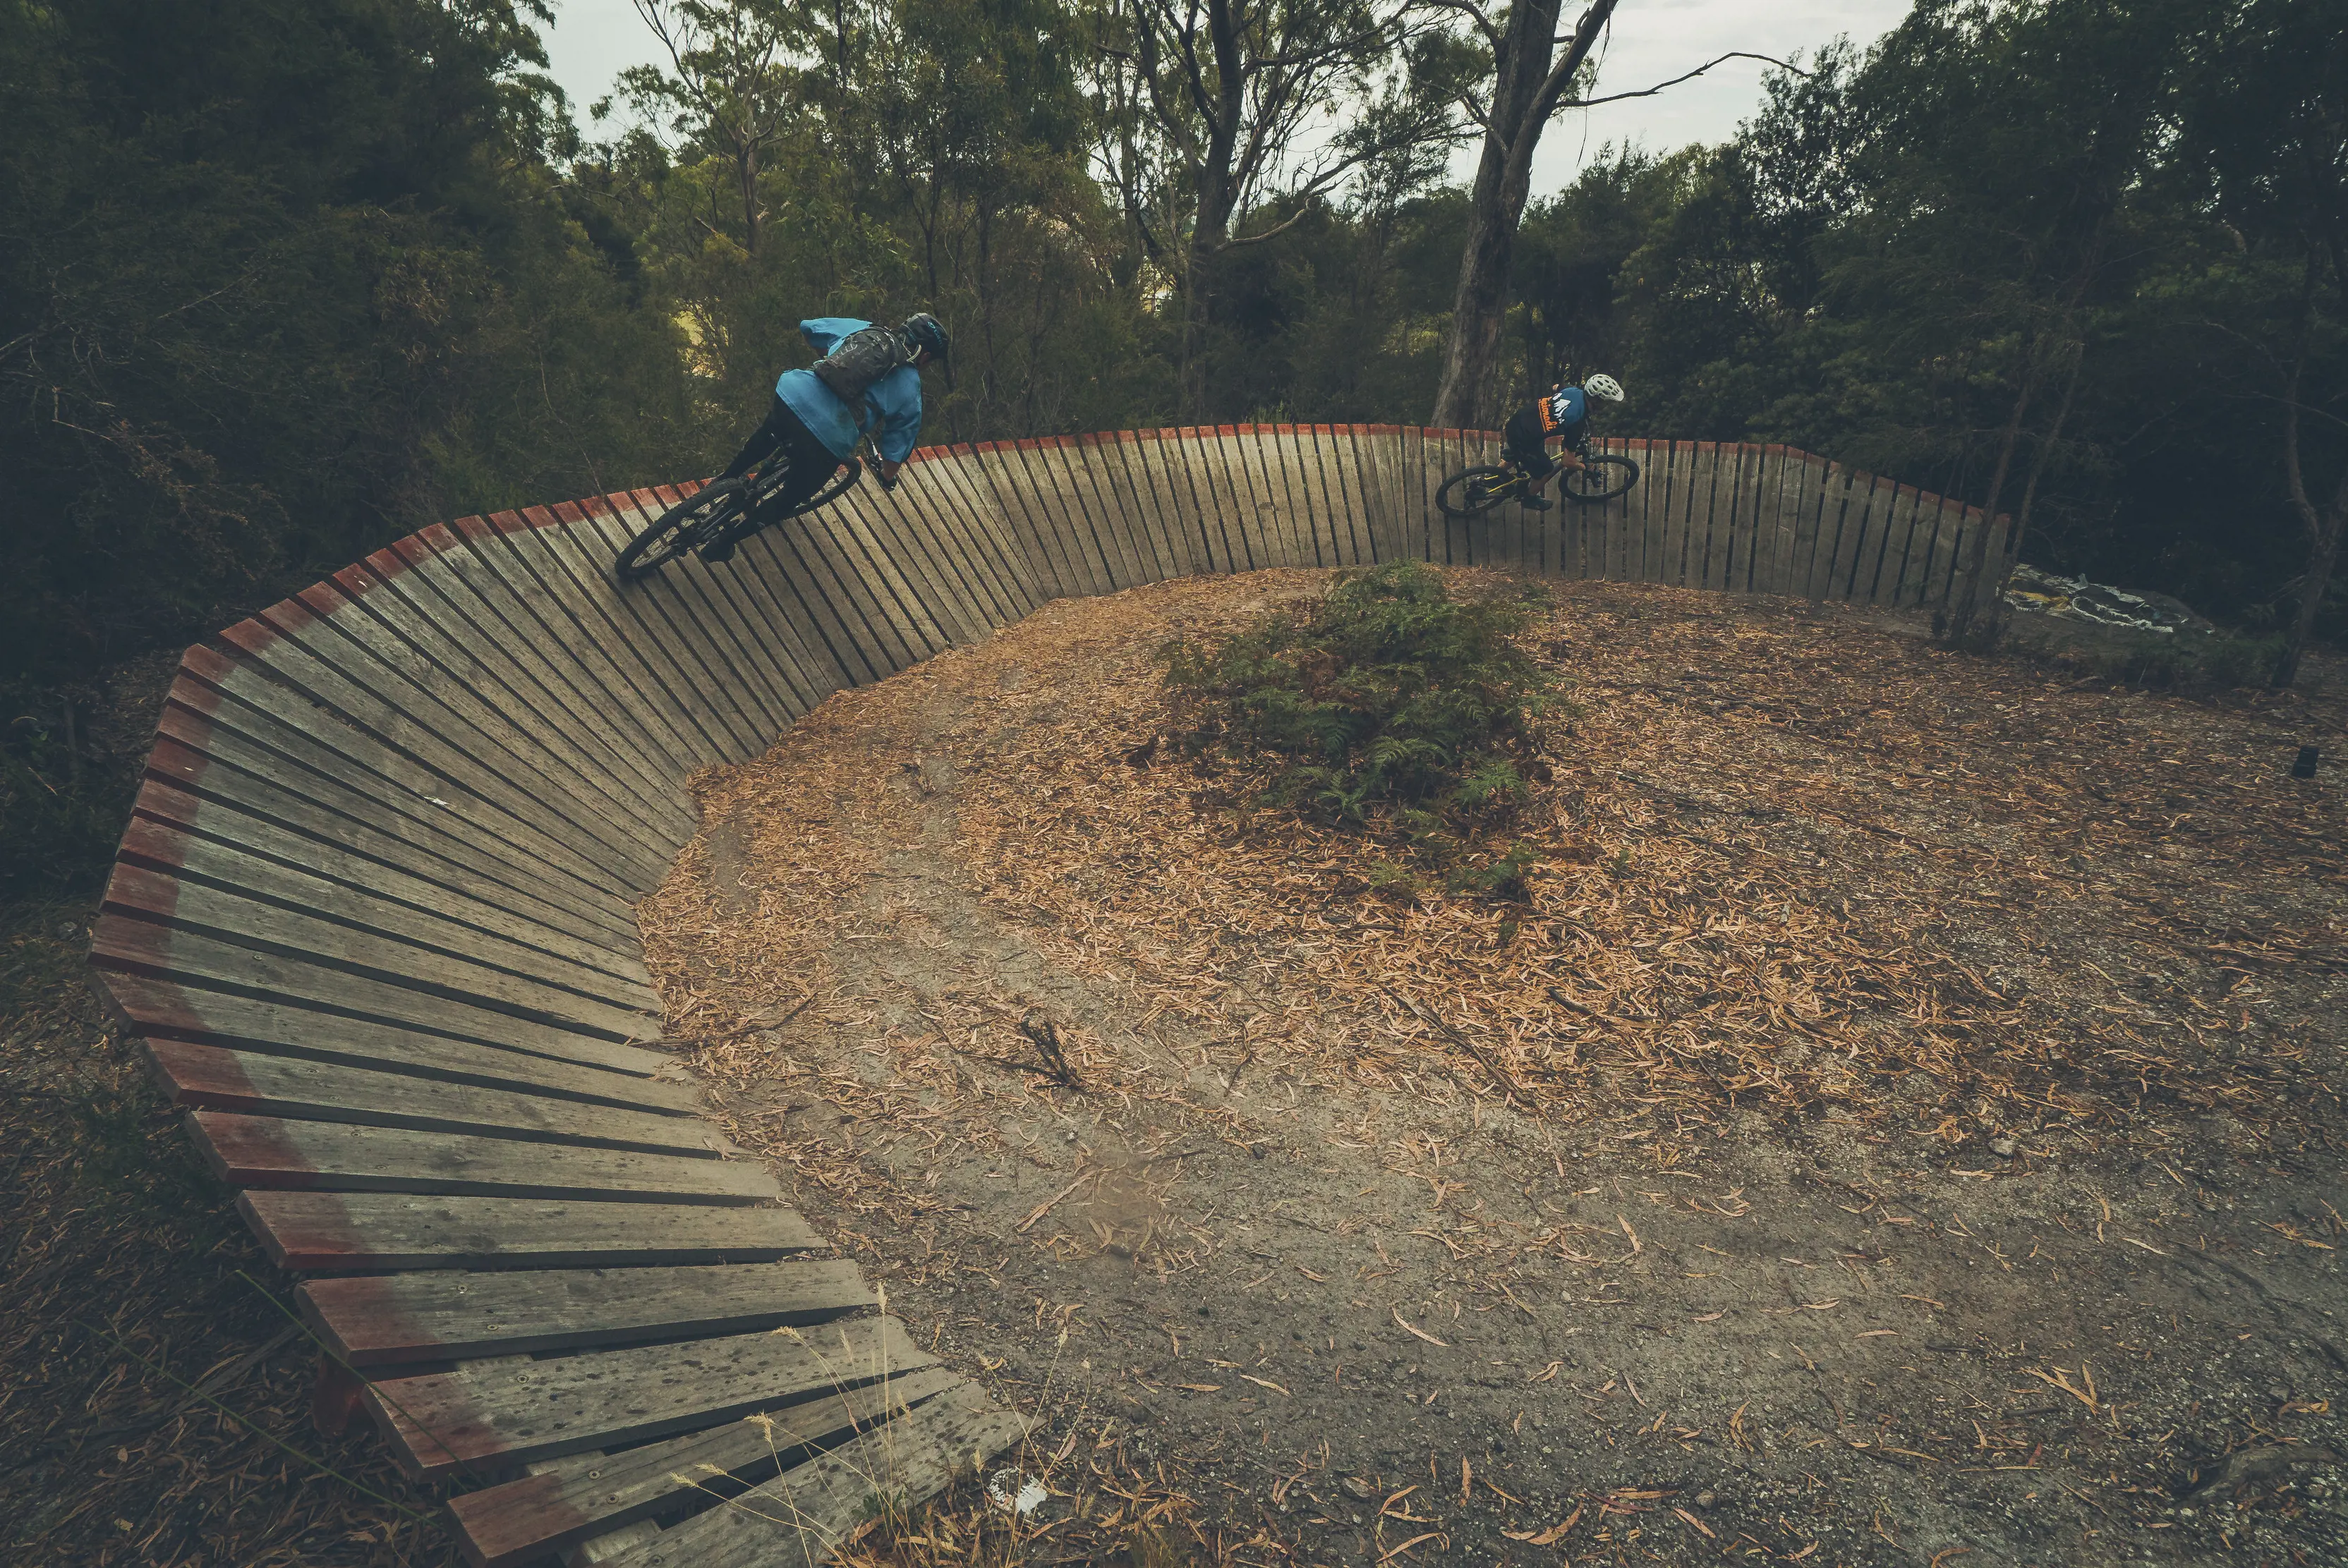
x=1526, y=443
x=812, y=462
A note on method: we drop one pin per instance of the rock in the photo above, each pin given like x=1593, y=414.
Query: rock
x=2004, y=1148
x=1706, y=1499
x=2265, y=1466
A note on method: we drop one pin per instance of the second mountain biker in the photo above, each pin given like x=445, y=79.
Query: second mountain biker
x=1561, y=415
x=818, y=430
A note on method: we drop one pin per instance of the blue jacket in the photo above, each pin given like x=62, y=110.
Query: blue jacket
x=1567, y=407
x=896, y=395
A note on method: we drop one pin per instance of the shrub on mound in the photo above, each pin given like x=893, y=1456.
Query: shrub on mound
x=1388, y=700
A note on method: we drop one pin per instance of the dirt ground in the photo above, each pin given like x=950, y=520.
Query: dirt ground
x=1901, y=1127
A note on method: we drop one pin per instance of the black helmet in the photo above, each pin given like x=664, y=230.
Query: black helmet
x=925, y=331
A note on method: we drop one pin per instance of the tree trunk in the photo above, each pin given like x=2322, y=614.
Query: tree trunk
x=1526, y=88
x=1961, y=622
x=1992, y=613
x=745, y=169
x=2323, y=526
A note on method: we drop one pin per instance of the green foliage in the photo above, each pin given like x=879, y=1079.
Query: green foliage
x=1388, y=702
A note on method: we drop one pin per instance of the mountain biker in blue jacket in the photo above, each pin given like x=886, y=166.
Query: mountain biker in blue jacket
x=1561, y=415
x=818, y=432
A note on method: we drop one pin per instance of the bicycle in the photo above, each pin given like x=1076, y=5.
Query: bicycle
x=719, y=506
x=1472, y=492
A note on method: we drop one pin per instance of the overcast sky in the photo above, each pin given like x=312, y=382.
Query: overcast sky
x=1652, y=41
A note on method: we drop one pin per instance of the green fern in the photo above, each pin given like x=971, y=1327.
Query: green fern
x=1388, y=705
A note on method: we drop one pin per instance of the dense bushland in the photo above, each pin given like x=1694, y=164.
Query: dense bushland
x=280, y=281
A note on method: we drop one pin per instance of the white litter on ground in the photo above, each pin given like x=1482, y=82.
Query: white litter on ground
x=2077, y=599
x=1013, y=1492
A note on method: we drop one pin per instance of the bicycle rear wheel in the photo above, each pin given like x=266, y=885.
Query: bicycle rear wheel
x=1602, y=479
x=692, y=522
x=1472, y=492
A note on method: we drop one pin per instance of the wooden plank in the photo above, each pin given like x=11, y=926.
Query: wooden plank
x=371, y=634
x=1731, y=517
x=1202, y=523
x=499, y=586
x=1841, y=527
x=1326, y=503
x=241, y=759
x=1952, y=550
x=421, y=766
x=968, y=602
x=1379, y=535
x=1223, y=502
x=175, y=909
x=336, y=1157
x=491, y=1415
x=567, y=1500
x=1894, y=508
x=1914, y=564
x=446, y=731
x=774, y=625
x=140, y=947
x=1117, y=461
x=1345, y=470
x=1273, y=466
x=1164, y=474
x=1437, y=455
x=548, y=569
x=797, y=1520
x=1667, y=497
x=211, y=1077
x=230, y=774
x=721, y=620
x=499, y=673
x=656, y=619
x=964, y=495
x=220, y=889
x=1413, y=504
x=1810, y=491
x=1814, y=535
x=912, y=634
x=1065, y=492
x=864, y=522
x=376, y=1320
x=994, y=470
x=435, y=604
x=705, y=605
x=1065, y=532
x=217, y=842
x=168, y=1009
x=644, y=639
x=343, y=1233
x=1057, y=569
x=226, y=806
x=1348, y=467
x=1123, y=528
x=1769, y=521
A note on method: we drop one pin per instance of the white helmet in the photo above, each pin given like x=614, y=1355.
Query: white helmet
x=1604, y=386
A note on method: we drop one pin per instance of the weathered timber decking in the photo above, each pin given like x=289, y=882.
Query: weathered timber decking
x=372, y=920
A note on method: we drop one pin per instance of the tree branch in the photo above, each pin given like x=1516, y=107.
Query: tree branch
x=1675, y=81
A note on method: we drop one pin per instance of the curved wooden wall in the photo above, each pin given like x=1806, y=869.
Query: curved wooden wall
x=372, y=918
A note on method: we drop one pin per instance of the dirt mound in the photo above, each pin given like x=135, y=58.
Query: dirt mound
x=1880, y=1017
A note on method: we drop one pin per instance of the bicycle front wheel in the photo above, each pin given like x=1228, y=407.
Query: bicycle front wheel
x=1472, y=492
x=692, y=522
x=1601, y=478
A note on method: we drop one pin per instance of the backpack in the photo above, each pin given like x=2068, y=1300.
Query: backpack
x=859, y=360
